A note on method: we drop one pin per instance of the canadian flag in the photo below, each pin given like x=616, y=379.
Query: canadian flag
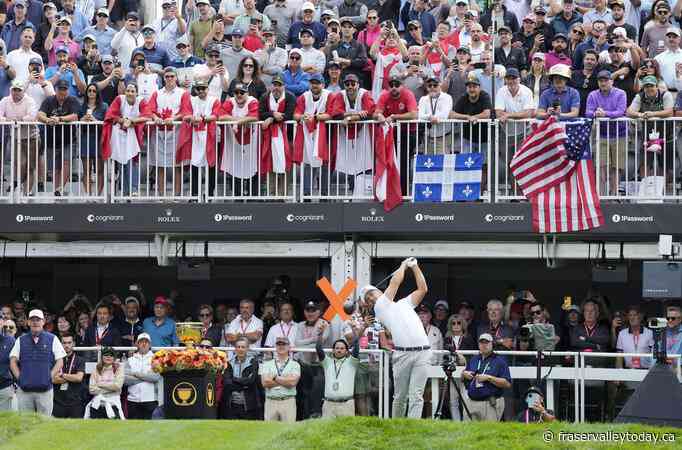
x=386, y=174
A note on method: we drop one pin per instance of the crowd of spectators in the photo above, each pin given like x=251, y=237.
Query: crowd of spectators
x=312, y=384
x=204, y=61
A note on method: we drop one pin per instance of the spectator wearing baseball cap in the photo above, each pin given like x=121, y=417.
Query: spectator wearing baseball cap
x=79, y=22
x=671, y=58
x=34, y=357
x=559, y=52
x=155, y=55
x=526, y=35
x=308, y=21
x=106, y=384
x=160, y=327
x=170, y=27
x=141, y=380
x=513, y=101
x=62, y=39
x=64, y=68
x=312, y=59
x=348, y=52
x=488, y=376
x=272, y=58
x=563, y=22
x=233, y=56
x=13, y=27
x=496, y=8
x=506, y=54
x=418, y=11
x=618, y=13
x=308, y=332
x=17, y=106
x=127, y=40
x=101, y=30
x=33, y=11
x=474, y=103
x=443, y=107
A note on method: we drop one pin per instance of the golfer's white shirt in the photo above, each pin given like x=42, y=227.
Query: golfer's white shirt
x=402, y=321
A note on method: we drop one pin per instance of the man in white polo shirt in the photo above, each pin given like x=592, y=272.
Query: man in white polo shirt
x=245, y=324
x=412, y=351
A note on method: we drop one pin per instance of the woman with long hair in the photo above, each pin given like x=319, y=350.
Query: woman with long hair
x=456, y=338
x=92, y=110
x=537, y=80
x=248, y=74
x=576, y=37
x=84, y=322
x=648, y=66
x=63, y=325
x=106, y=383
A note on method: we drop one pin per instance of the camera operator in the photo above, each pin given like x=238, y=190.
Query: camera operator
x=456, y=338
x=487, y=375
x=6, y=381
x=535, y=411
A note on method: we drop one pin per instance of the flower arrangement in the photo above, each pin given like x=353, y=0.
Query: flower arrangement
x=214, y=361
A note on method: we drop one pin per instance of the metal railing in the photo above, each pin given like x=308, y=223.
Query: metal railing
x=635, y=160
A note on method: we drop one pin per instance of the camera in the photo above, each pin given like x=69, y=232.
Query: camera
x=449, y=364
x=657, y=323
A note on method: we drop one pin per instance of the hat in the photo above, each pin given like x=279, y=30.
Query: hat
x=144, y=336
x=539, y=55
x=650, y=80
x=662, y=5
x=282, y=339
x=604, y=74
x=414, y=23
x=267, y=31
x=137, y=52
x=534, y=389
x=90, y=36
x=423, y=307
x=316, y=77
x=539, y=10
x=168, y=2
x=333, y=63
x=504, y=28
x=464, y=304
x=132, y=16
x=161, y=300
x=102, y=11
x=277, y=78
x=130, y=298
x=108, y=351
x=442, y=303
x=431, y=79
x=327, y=12
x=512, y=72
x=18, y=84
x=575, y=308
x=472, y=79
x=20, y=2
x=307, y=6
x=559, y=36
x=61, y=84
x=213, y=49
x=199, y=2
x=461, y=2
x=305, y=31
x=395, y=78
x=366, y=290
x=529, y=18
x=333, y=20
x=464, y=49
x=485, y=337
x=351, y=77
x=62, y=49
x=53, y=6
x=237, y=32
x=36, y=313
x=312, y=305
x=201, y=83
x=183, y=40
x=561, y=70
x=36, y=61
x=620, y=31
x=297, y=51
x=64, y=19
x=346, y=20
x=472, y=12
x=148, y=27
x=672, y=30
x=240, y=87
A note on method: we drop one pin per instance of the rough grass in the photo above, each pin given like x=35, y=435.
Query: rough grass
x=27, y=432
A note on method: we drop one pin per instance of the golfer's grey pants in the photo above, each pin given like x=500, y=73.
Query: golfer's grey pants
x=410, y=372
x=40, y=402
x=7, y=399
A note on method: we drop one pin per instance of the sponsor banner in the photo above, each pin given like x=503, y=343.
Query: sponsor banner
x=640, y=219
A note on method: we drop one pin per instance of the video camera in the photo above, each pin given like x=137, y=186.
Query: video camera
x=449, y=364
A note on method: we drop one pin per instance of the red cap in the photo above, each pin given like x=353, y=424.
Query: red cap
x=161, y=300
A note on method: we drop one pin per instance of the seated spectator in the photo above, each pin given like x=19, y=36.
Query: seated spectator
x=127, y=40
x=248, y=74
x=93, y=109
x=307, y=22
x=101, y=30
x=12, y=30
x=106, y=383
x=63, y=40
x=279, y=376
x=534, y=408
x=559, y=99
x=141, y=380
x=339, y=385
x=295, y=79
x=160, y=327
x=241, y=398
x=486, y=375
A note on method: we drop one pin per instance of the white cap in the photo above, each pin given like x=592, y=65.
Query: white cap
x=365, y=290
x=36, y=313
x=308, y=6
x=620, y=31
x=297, y=51
x=673, y=30
x=485, y=337
x=442, y=303
x=144, y=336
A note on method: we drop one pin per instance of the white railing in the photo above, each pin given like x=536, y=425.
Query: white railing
x=48, y=163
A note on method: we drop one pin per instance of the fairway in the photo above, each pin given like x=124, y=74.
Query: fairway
x=28, y=432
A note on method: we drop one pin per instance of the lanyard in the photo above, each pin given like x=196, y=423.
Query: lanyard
x=590, y=331
x=73, y=358
x=281, y=371
x=434, y=105
x=244, y=328
x=163, y=27
x=485, y=368
x=98, y=338
x=238, y=366
x=338, y=371
x=281, y=327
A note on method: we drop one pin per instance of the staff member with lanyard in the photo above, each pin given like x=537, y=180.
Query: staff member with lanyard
x=68, y=383
x=339, y=377
x=412, y=351
x=487, y=374
x=7, y=396
x=279, y=376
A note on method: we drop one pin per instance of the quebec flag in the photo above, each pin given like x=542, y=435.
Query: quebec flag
x=447, y=178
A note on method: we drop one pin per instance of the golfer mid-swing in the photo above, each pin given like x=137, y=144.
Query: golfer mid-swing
x=411, y=352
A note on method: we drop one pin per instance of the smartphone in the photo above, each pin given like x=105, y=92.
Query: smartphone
x=479, y=65
x=140, y=63
x=133, y=287
x=532, y=399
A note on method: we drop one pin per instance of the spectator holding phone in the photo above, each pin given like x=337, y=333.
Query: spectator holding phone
x=534, y=411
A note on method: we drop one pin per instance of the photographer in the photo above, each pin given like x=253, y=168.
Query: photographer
x=487, y=375
x=457, y=339
x=6, y=380
x=535, y=411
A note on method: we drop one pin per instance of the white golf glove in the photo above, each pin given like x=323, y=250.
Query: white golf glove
x=411, y=262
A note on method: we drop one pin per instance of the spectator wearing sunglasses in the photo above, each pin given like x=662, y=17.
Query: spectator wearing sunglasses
x=155, y=55
x=169, y=27
x=101, y=30
x=654, y=34
x=295, y=79
x=209, y=330
x=674, y=331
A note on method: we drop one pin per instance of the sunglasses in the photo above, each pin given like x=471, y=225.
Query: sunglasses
x=394, y=84
x=581, y=32
x=102, y=15
x=239, y=92
x=295, y=58
x=457, y=322
x=412, y=28
x=349, y=83
x=167, y=77
x=147, y=33
x=432, y=85
x=199, y=88
x=248, y=65
x=372, y=18
x=671, y=318
x=281, y=343
x=167, y=6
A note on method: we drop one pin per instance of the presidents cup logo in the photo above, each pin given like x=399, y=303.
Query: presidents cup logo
x=168, y=217
x=373, y=217
x=419, y=217
x=305, y=218
x=21, y=218
x=184, y=394
x=108, y=218
x=490, y=218
x=617, y=218
x=232, y=218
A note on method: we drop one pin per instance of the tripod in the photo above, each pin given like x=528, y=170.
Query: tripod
x=449, y=379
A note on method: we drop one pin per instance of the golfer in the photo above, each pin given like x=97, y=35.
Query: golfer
x=411, y=352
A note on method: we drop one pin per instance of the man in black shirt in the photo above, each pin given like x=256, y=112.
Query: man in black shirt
x=618, y=15
x=507, y=55
x=90, y=61
x=68, y=383
x=473, y=106
x=585, y=80
x=59, y=139
x=622, y=72
x=110, y=80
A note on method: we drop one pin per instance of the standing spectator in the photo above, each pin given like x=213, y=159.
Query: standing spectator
x=155, y=55
x=312, y=59
x=600, y=12
x=67, y=71
x=7, y=341
x=414, y=34
x=432, y=332
x=147, y=80
x=131, y=327
x=585, y=80
x=654, y=33
x=248, y=14
x=245, y=324
x=19, y=58
x=456, y=339
x=388, y=53
x=498, y=16
x=169, y=27
x=76, y=17
x=13, y=30
x=636, y=338
x=281, y=17
x=106, y=383
x=350, y=54
x=454, y=82
x=473, y=106
x=279, y=377
x=141, y=380
x=440, y=315
x=513, y=103
x=558, y=55
x=559, y=99
x=308, y=22
x=215, y=73
x=248, y=74
x=597, y=42
x=503, y=335
x=372, y=31
x=537, y=80
x=308, y=332
x=285, y=327
x=35, y=359
x=233, y=56
x=209, y=330
x=101, y=30
x=295, y=79
x=670, y=61
x=127, y=39
x=34, y=11
x=271, y=58
x=333, y=78
x=185, y=63
x=90, y=59
x=417, y=10
x=525, y=39
x=590, y=336
x=93, y=109
x=160, y=327
x=47, y=27
x=563, y=23
x=254, y=39
x=121, y=9
x=354, y=11
x=339, y=375
x=488, y=375
x=435, y=107
x=609, y=102
x=102, y=332
x=508, y=55
x=576, y=37
x=618, y=15
x=623, y=73
x=241, y=398
x=673, y=337
x=68, y=382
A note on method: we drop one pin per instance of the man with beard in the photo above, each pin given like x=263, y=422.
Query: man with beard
x=349, y=53
x=558, y=55
x=585, y=80
x=618, y=15
x=598, y=42
x=623, y=73
x=508, y=55
x=562, y=23
x=308, y=333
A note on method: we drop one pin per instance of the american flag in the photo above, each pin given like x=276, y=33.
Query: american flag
x=554, y=169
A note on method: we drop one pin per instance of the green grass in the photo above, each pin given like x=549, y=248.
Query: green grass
x=27, y=432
